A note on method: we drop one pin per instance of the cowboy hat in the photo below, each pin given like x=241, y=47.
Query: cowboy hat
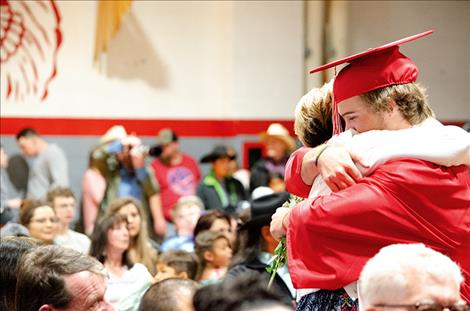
x=264, y=207
x=116, y=132
x=219, y=151
x=276, y=130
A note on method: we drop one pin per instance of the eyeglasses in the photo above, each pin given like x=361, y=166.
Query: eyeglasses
x=44, y=220
x=429, y=306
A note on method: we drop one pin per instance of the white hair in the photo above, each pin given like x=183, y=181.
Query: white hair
x=394, y=270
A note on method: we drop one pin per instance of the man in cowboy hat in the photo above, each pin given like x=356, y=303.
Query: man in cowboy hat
x=219, y=189
x=376, y=91
x=279, y=144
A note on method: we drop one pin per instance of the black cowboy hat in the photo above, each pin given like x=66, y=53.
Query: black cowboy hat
x=219, y=151
x=264, y=207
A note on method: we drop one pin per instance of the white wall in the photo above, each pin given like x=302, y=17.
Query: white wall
x=243, y=59
x=179, y=59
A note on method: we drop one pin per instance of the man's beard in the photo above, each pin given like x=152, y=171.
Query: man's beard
x=165, y=159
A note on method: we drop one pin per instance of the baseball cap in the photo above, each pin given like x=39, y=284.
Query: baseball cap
x=166, y=136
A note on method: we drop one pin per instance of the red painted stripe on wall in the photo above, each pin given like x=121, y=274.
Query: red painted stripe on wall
x=97, y=127
x=188, y=128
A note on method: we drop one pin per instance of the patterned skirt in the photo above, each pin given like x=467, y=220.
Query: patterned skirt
x=327, y=300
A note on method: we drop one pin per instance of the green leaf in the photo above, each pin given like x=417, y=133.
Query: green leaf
x=281, y=251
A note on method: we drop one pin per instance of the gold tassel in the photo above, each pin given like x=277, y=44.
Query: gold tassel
x=108, y=22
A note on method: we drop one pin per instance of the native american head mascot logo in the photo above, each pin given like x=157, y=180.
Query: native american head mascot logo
x=30, y=38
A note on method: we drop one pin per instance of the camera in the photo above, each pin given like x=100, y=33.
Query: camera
x=153, y=151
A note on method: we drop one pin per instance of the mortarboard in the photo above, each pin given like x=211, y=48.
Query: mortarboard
x=372, y=69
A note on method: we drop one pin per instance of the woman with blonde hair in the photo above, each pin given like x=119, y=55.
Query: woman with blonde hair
x=312, y=123
x=140, y=248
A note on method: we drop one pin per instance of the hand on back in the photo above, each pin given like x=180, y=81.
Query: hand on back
x=337, y=168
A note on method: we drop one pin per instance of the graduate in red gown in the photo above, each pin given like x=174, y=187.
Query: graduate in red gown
x=330, y=238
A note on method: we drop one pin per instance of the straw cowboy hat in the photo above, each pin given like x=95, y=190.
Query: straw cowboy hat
x=113, y=133
x=278, y=131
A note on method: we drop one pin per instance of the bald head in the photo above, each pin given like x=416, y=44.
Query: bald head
x=169, y=295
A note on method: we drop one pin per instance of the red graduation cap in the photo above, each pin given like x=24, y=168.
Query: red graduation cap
x=370, y=70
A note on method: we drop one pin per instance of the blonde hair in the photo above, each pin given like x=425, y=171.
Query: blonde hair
x=313, y=123
x=185, y=201
x=140, y=249
x=410, y=98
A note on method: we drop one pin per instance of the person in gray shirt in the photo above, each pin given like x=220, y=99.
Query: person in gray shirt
x=9, y=203
x=48, y=166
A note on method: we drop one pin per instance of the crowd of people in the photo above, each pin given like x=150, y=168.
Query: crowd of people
x=383, y=220
x=120, y=166
x=147, y=221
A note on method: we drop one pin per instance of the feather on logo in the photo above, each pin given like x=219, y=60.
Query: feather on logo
x=30, y=38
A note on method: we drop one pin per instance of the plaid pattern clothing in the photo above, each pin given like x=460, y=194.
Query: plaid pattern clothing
x=327, y=300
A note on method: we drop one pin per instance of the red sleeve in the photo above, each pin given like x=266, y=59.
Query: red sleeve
x=292, y=177
x=404, y=201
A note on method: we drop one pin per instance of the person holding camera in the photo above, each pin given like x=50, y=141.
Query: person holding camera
x=121, y=160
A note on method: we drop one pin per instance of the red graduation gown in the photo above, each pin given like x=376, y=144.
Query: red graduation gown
x=404, y=201
x=294, y=182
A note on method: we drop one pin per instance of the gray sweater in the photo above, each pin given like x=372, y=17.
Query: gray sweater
x=49, y=169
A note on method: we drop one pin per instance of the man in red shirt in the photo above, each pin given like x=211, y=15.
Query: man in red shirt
x=177, y=173
x=330, y=238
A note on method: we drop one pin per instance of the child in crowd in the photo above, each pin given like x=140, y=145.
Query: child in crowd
x=177, y=264
x=185, y=215
x=62, y=200
x=214, y=252
x=217, y=221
